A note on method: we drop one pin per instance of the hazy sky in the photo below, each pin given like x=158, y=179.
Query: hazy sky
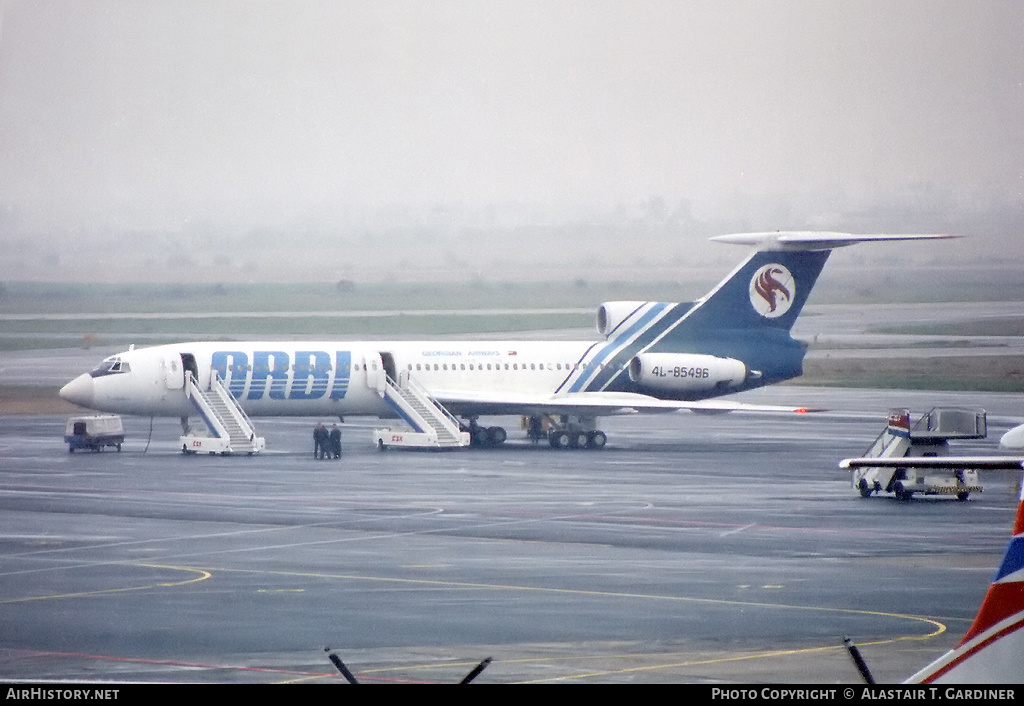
x=151, y=114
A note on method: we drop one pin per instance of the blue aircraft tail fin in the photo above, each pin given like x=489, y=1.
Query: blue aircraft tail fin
x=992, y=651
x=749, y=315
x=769, y=289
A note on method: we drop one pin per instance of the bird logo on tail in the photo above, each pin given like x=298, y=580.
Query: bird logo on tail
x=772, y=289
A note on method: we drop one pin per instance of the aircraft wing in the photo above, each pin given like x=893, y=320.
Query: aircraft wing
x=992, y=463
x=592, y=404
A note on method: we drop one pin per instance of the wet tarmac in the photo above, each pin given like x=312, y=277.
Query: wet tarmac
x=710, y=549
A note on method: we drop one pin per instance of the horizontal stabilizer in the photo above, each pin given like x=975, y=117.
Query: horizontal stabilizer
x=818, y=240
x=988, y=463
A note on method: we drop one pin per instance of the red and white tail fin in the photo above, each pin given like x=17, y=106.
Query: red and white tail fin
x=992, y=651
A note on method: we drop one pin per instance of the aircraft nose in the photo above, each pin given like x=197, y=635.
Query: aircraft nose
x=1013, y=439
x=79, y=391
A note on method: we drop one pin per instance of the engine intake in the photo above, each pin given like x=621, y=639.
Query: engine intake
x=611, y=314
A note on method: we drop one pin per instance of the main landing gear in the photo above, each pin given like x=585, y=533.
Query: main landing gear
x=485, y=436
x=578, y=439
x=562, y=433
x=569, y=432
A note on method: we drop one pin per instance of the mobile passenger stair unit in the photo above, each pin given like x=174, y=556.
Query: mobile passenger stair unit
x=929, y=438
x=430, y=425
x=229, y=430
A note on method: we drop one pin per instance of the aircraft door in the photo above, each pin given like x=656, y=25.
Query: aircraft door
x=175, y=367
x=375, y=374
x=388, y=361
x=174, y=374
x=188, y=363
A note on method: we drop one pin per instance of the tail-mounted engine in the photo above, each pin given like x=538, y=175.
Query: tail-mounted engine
x=686, y=372
x=611, y=314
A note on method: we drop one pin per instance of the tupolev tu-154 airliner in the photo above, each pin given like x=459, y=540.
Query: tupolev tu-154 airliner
x=652, y=357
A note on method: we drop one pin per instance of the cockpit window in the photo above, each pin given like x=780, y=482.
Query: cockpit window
x=111, y=366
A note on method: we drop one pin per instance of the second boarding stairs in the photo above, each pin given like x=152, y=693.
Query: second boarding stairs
x=929, y=438
x=430, y=424
x=229, y=429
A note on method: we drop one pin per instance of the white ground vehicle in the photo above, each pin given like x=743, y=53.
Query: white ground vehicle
x=94, y=432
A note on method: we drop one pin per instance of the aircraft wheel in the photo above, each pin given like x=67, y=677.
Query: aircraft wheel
x=864, y=488
x=579, y=440
x=963, y=496
x=496, y=435
x=596, y=440
x=558, y=440
x=480, y=437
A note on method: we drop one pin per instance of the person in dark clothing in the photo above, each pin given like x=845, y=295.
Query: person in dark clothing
x=335, y=441
x=320, y=442
x=536, y=429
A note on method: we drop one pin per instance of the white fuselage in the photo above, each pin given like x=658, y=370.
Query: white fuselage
x=316, y=378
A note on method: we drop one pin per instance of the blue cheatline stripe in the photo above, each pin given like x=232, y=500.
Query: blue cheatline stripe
x=616, y=366
x=1014, y=559
x=592, y=367
x=339, y=389
x=402, y=414
x=578, y=367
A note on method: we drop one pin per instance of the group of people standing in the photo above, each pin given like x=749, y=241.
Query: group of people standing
x=326, y=444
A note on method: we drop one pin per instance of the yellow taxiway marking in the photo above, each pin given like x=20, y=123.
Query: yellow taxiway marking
x=203, y=575
x=692, y=663
x=937, y=627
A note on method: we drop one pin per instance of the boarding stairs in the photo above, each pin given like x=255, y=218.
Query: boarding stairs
x=431, y=425
x=929, y=437
x=891, y=443
x=230, y=430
